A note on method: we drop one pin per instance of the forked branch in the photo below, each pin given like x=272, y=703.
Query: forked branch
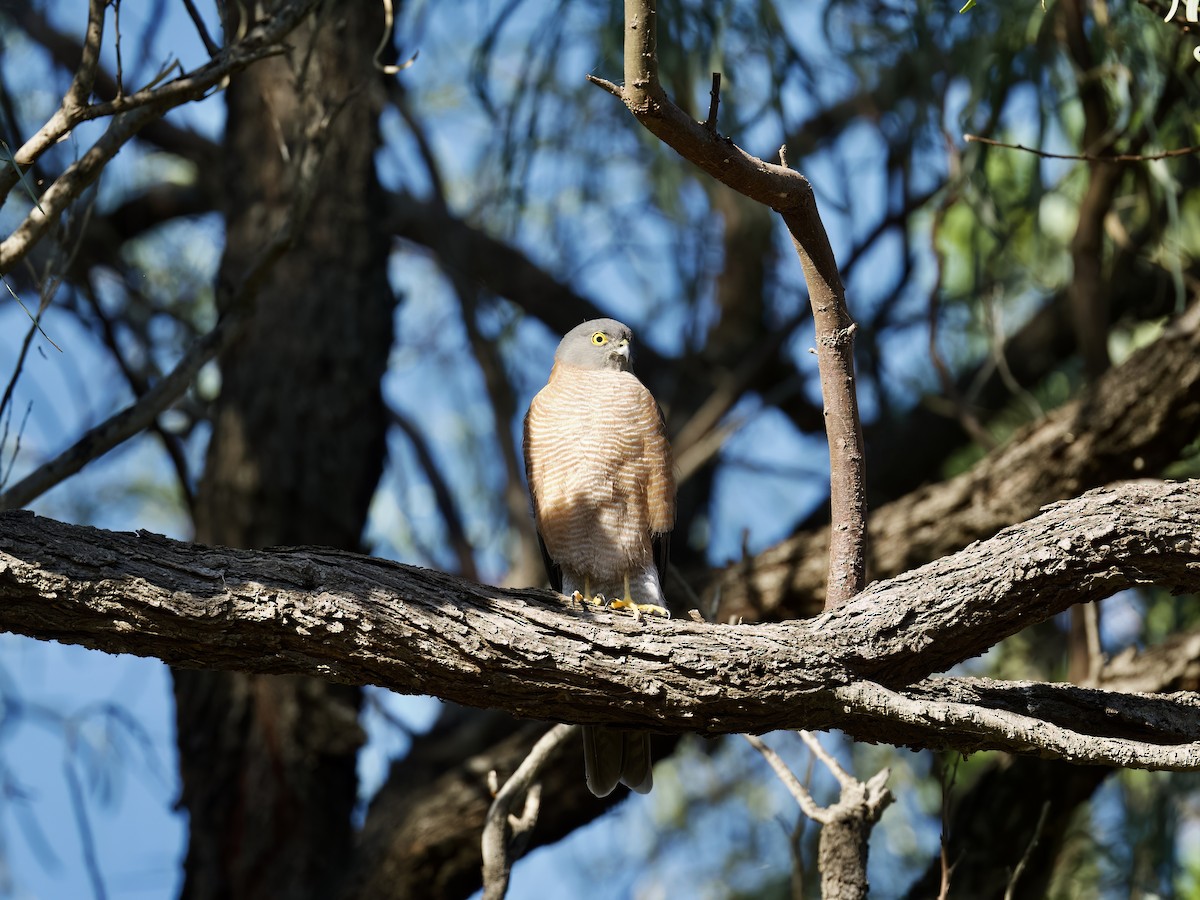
x=788, y=193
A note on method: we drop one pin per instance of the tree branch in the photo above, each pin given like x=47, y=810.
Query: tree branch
x=790, y=194
x=130, y=421
x=503, y=828
x=358, y=620
x=131, y=113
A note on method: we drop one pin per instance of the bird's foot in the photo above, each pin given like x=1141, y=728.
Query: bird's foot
x=594, y=600
x=640, y=609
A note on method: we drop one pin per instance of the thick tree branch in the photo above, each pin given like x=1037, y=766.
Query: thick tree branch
x=358, y=620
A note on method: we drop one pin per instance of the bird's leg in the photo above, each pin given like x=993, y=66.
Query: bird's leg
x=638, y=608
x=587, y=596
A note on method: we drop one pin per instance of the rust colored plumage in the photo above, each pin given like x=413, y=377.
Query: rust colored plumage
x=600, y=473
x=603, y=486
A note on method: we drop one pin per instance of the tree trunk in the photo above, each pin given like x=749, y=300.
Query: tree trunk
x=268, y=762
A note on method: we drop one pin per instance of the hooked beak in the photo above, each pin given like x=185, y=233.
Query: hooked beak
x=621, y=354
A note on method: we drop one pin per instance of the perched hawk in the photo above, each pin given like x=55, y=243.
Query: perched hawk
x=603, y=487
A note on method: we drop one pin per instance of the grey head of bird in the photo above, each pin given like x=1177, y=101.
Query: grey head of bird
x=597, y=344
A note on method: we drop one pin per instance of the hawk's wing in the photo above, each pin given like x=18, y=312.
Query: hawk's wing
x=553, y=570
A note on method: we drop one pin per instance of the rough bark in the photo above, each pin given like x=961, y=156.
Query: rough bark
x=358, y=620
x=269, y=763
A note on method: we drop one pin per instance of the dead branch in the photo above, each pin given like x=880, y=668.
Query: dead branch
x=846, y=825
x=1135, y=418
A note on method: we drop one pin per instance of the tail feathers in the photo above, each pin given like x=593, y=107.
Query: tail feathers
x=613, y=756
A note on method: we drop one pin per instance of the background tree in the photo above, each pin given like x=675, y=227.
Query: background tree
x=1001, y=299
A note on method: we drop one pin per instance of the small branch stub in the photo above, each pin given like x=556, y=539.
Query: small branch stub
x=711, y=122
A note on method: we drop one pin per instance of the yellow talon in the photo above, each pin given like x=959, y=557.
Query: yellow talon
x=638, y=608
x=587, y=596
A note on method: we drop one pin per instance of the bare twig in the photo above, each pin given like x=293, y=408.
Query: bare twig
x=123, y=425
x=703, y=435
x=996, y=338
x=966, y=417
x=844, y=778
x=131, y=113
x=1010, y=890
x=6, y=416
x=715, y=94
x=443, y=496
x=201, y=29
x=505, y=834
x=85, y=75
x=237, y=303
x=798, y=791
x=795, y=844
x=947, y=780
x=139, y=384
x=398, y=97
x=116, y=5
x=1095, y=652
x=35, y=328
x=87, y=837
x=1086, y=157
x=525, y=558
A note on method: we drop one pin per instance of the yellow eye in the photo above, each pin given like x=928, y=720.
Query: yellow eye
x=599, y=338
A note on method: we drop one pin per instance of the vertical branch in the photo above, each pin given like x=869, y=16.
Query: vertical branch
x=845, y=826
x=788, y=193
x=835, y=363
x=505, y=834
x=1088, y=291
x=641, y=54
x=85, y=75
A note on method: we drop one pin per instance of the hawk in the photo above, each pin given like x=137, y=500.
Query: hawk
x=603, y=487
